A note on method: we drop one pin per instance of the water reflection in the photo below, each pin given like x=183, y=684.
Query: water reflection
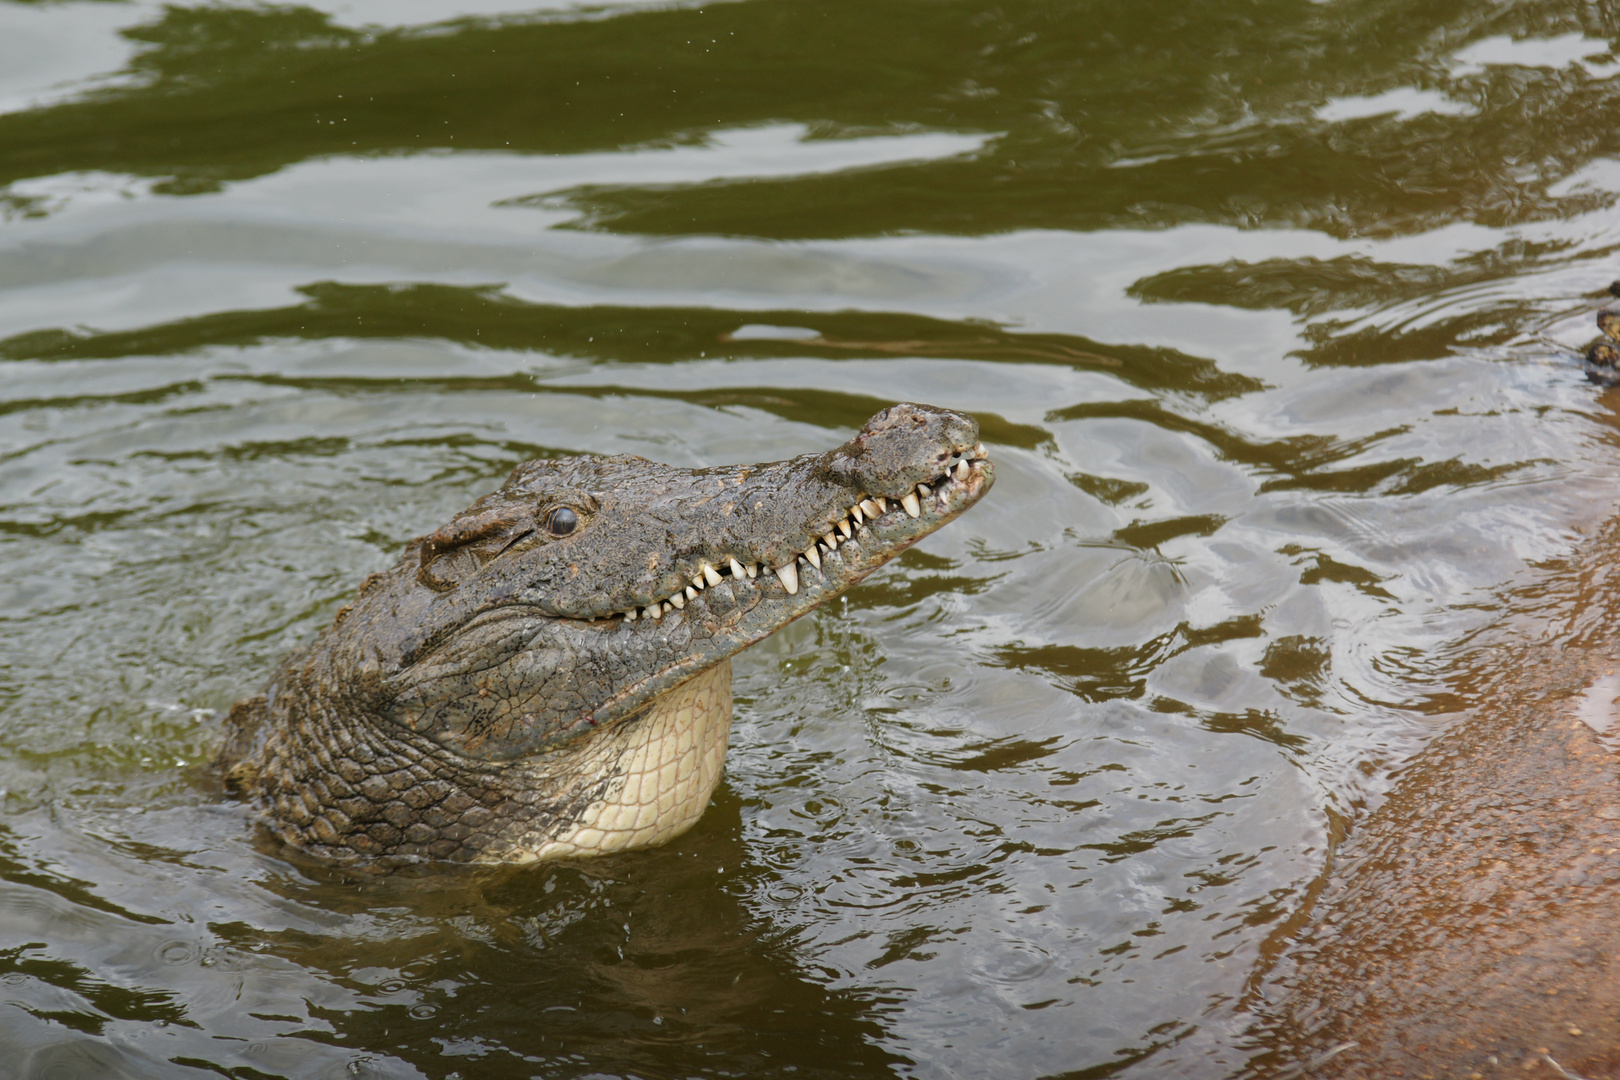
x=1249, y=302
x=642, y=965
x=485, y=318
x=1101, y=120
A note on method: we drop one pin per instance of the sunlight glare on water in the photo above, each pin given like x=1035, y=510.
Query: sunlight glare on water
x=1259, y=311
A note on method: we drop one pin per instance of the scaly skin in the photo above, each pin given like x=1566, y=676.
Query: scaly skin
x=548, y=674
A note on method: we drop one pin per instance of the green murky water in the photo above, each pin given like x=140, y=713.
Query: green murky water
x=1246, y=295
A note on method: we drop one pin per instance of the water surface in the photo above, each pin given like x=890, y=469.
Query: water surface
x=1258, y=305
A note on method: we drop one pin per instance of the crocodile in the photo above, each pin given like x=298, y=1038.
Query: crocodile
x=548, y=675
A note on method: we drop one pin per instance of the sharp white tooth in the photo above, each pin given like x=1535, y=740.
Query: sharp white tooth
x=630, y=616
x=736, y=569
x=653, y=611
x=831, y=540
x=855, y=512
x=962, y=469
x=812, y=556
x=912, y=504
x=711, y=575
x=870, y=508
x=697, y=582
x=678, y=600
x=882, y=504
x=753, y=569
x=691, y=593
x=843, y=527
x=979, y=451
x=789, y=576
x=924, y=490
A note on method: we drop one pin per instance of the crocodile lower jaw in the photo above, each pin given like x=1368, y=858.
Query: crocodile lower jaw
x=661, y=767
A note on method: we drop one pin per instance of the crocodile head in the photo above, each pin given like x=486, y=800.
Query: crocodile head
x=548, y=673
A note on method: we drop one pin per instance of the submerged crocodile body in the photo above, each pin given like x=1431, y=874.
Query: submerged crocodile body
x=548, y=674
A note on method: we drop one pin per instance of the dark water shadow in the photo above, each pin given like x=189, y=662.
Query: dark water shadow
x=659, y=964
x=1103, y=116
x=484, y=317
x=652, y=964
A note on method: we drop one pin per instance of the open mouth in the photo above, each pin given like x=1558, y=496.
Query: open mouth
x=872, y=527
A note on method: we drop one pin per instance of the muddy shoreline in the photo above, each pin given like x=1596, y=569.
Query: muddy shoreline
x=1469, y=925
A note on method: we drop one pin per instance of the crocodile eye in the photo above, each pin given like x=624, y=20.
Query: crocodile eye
x=561, y=521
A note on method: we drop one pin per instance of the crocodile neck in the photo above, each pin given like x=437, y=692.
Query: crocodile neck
x=345, y=791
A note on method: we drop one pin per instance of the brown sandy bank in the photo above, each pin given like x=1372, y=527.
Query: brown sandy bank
x=1470, y=926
